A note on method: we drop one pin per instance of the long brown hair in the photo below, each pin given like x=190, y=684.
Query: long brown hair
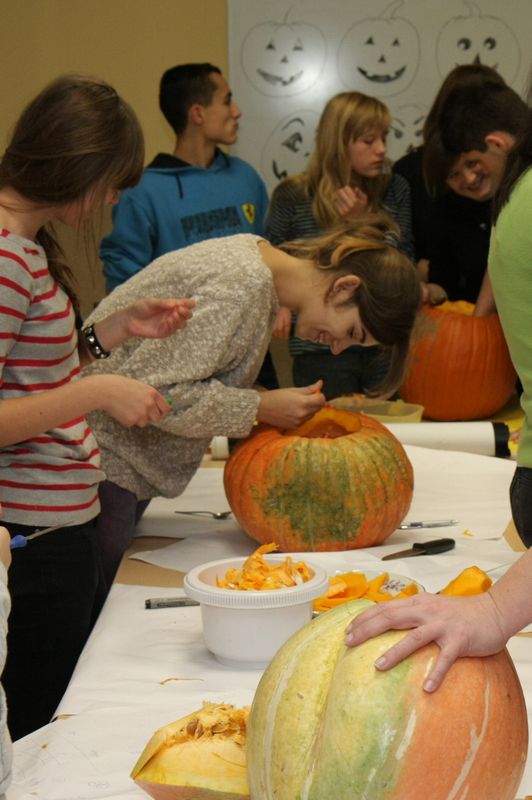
x=389, y=294
x=76, y=136
x=346, y=116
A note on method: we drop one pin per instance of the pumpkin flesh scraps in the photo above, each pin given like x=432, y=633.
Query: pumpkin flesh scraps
x=470, y=581
x=258, y=575
x=203, y=752
x=355, y=586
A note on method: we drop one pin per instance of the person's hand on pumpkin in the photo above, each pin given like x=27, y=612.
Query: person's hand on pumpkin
x=288, y=408
x=283, y=323
x=433, y=294
x=350, y=201
x=460, y=626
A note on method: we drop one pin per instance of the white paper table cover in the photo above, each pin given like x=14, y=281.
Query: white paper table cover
x=144, y=668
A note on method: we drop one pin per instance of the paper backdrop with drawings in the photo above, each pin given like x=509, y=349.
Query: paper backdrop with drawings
x=287, y=59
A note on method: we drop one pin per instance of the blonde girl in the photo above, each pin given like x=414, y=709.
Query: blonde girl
x=347, y=176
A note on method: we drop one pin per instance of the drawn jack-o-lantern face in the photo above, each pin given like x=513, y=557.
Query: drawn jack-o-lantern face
x=288, y=147
x=282, y=59
x=406, y=130
x=379, y=55
x=478, y=39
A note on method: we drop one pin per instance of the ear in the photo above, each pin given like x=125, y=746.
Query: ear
x=344, y=288
x=195, y=114
x=500, y=140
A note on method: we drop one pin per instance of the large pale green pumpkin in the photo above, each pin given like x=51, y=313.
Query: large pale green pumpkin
x=326, y=725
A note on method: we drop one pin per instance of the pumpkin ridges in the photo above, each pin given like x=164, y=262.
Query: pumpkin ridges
x=320, y=494
x=379, y=735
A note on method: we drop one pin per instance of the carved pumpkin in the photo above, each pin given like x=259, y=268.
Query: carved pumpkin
x=340, y=481
x=460, y=366
x=478, y=38
x=289, y=146
x=282, y=59
x=380, y=55
x=326, y=725
x=202, y=755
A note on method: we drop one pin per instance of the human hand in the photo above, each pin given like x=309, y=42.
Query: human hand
x=130, y=402
x=157, y=317
x=288, y=408
x=350, y=201
x=283, y=323
x=460, y=626
x=5, y=551
x=433, y=294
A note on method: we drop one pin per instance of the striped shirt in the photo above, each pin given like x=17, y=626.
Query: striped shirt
x=291, y=217
x=51, y=478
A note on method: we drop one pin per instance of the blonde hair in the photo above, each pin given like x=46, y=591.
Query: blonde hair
x=389, y=294
x=347, y=116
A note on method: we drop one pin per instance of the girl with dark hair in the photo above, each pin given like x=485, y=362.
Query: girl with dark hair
x=72, y=150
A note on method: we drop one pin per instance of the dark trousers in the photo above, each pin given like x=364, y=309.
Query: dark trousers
x=521, y=502
x=57, y=591
x=353, y=370
x=115, y=526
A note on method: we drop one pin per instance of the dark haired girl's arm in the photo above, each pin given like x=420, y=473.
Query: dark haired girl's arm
x=152, y=318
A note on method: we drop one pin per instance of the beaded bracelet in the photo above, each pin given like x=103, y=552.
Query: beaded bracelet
x=93, y=343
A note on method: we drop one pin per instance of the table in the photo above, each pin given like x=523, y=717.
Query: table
x=142, y=669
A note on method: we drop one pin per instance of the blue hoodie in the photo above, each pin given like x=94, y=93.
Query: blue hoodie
x=177, y=204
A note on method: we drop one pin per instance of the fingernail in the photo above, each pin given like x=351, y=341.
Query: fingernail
x=380, y=662
x=429, y=686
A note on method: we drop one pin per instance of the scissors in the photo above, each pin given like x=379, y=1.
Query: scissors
x=21, y=541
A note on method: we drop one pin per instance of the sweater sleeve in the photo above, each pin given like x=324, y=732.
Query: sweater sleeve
x=280, y=224
x=130, y=245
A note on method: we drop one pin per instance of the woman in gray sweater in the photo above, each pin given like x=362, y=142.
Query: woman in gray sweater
x=349, y=286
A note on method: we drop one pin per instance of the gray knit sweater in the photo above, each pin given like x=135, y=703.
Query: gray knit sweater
x=208, y=369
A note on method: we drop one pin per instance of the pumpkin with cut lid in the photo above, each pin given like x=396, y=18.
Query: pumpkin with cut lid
x=338, y=482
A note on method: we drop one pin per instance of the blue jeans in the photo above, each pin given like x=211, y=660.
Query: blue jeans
x=115, y=526
x=521, y=502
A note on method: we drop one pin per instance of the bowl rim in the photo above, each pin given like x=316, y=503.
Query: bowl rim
x=207, y=594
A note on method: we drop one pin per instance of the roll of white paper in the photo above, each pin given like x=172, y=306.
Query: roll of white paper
x=220, y=447
x=483, y=438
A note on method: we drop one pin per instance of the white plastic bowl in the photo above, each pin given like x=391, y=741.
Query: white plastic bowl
x=246, y=628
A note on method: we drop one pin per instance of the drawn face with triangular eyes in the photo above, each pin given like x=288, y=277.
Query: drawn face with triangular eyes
x=283, y=59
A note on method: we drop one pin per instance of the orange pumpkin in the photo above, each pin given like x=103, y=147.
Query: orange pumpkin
x=338, y=482
x=460, y=366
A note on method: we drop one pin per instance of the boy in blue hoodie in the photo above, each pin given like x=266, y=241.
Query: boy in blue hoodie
x=198, y=192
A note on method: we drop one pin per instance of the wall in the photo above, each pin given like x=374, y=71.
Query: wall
x=128, y=43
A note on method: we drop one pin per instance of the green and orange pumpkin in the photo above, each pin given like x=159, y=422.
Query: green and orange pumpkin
x=338, y=482
x=460, y=366
x=326, y=725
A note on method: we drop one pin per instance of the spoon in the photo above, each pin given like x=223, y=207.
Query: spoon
x=213, y=514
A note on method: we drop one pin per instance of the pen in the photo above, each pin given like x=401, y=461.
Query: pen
x=169, y=602
x=436, y=523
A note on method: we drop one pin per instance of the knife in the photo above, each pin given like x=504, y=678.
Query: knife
x=423, y=549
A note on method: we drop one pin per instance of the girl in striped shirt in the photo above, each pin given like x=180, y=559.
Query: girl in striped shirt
x=74, y=147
